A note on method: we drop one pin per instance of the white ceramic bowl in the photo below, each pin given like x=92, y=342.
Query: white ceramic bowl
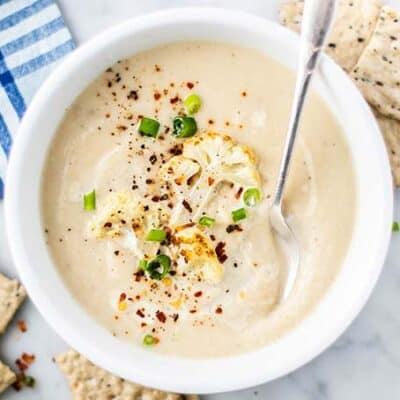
x=339, y=307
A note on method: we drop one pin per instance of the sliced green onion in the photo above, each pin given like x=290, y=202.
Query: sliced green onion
x=29, y=381
x=142, y=265
x=156, y=235
x=206, y=221
x=89, y=201
x=159, y=267
x=395, y=227
x=149, y=127
x=184, y=127
x=149, y=340
x=251, y=197
x=239, y=214
x=192, y=103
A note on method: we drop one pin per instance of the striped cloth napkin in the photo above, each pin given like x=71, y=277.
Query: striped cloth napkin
x=33, y=37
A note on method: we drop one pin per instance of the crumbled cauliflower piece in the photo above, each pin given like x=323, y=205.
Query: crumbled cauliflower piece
x=127, y=216
x=206, y=161
x=195, y=254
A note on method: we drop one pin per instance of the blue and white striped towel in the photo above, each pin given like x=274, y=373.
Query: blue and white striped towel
x=33, y=37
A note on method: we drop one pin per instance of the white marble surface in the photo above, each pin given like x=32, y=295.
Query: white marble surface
x=363, y=364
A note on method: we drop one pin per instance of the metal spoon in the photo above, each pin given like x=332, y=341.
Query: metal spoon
x=317, y=19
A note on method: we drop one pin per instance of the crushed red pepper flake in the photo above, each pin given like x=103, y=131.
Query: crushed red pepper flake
x=22, y=326
x=239, y=193
x=186, y=204
x=234, y=227
x=122, y=296
x=174, y=100
x=218, y=310
x=220, y=251
x=161, y=317
x=140, y=313
x=157, y=96
x=190, y=85
x=198, y=294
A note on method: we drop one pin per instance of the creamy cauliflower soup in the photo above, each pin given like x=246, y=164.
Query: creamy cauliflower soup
x=156, y=195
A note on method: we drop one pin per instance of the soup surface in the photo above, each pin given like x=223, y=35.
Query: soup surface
x=171, y=246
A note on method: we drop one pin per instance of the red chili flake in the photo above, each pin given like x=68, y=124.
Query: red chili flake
x=138, y=275
x=210, y=181
x=233, y=227
x=187, y=205
x=192, y=311
x=176, y=150
x=211, y=122
x=122, y=128
x=155, y=198
x=28, y=358
x=153, y=159
x=198, y=294
x=149, y=181
x=174, y=100
x=22, y=326
x=161, y=316
x=21, y=366
x=133, y=95
x=212, y=237
x=140, y=313
x=175, y=317
x=218, y=310
x=239, y=193
x=157, y=96
x=107, y=225
x=220, y=251
x=244, y=93
x=122, y=296
x=158, y=69
x=190, y=85
x=164, y=197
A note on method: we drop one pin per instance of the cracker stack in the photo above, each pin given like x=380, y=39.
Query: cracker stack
x=12, y=294
x=365, y=42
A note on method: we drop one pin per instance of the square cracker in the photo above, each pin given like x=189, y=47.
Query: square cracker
x=377, y=72
x=88, y=382
x=12, y=294
x=352, y=29
x=7, y=377
x=391, y=133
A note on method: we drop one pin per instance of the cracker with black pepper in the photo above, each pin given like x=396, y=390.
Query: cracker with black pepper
x=391, y=133
x=377, y=73
x=12, y=294
x=354, y=24
x=88, y=382
x=7, y=377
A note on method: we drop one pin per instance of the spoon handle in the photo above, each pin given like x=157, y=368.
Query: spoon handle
x=317, y=20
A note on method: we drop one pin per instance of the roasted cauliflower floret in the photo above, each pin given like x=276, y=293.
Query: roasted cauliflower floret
x=124, y=215
x=206, y=161
x=195, y=254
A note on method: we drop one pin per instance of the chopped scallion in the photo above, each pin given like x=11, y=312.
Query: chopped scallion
x=159, y=267
x=206, y=221
x=149, y=340
x=156, y=235
x=395, y=227
x=89, y=201
x=192, y=103
x=142, y=265
x=251, y=197
x=149, y=127
x=239, y=214
x=184, y=127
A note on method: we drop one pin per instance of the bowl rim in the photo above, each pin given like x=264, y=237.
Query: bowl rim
x=149, y=369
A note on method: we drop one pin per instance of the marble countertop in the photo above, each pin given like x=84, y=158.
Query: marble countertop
x=363, y=364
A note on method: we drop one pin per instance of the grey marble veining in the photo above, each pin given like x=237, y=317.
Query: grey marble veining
x=363, y=364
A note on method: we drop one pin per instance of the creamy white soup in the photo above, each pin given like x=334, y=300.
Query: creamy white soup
x=156, y=194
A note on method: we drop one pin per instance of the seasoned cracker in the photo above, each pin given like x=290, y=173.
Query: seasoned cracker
x=377, y=73
x=354, y=24
x=12, y=294
x=88, y=382
x=391, y=133
x=7, y=377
